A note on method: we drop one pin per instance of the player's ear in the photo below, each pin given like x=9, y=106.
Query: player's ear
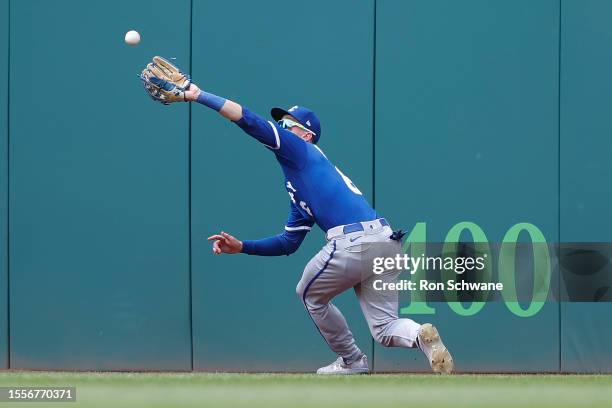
x=308, y=137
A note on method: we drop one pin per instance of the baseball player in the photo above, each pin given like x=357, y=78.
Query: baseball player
x=319, y=193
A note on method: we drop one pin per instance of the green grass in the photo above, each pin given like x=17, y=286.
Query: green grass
x=115, y=390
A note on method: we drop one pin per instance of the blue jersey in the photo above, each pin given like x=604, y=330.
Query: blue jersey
x=319, y=192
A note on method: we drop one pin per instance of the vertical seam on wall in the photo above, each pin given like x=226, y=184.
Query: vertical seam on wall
x=189, y=191
x=374, y=110
x=373, y=143
x=8, y=190
x=559, y=183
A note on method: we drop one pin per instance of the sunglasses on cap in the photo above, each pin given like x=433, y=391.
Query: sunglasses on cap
x=288, y=124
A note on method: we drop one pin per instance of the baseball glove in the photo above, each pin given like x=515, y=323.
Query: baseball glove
x=164, y=82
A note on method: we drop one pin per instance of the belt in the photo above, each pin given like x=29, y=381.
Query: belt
x=355, y=227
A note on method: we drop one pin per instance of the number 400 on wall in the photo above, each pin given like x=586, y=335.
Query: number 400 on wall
x=416, y=243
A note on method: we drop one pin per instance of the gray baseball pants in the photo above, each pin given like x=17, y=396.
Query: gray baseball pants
x=345, y=262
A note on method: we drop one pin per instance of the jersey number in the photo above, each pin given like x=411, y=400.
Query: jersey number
x=302, y=204
x=349, y=183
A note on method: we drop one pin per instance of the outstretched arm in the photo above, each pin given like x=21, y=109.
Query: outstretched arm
x=281, y=141
x=228, y=109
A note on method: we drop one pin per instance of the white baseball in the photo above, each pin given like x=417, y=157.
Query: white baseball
x=132, y=37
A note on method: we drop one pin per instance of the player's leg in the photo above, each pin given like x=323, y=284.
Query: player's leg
x=380, y=310
x=323, y=279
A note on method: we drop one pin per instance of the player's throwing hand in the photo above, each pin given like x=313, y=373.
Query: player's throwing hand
x=224, y=243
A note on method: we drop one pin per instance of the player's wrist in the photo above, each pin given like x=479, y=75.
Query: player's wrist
x=193, y=93
x=247, y=247
x=211, y=100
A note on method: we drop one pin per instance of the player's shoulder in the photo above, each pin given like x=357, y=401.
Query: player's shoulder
x=319, y=157
x=318, y=149
x=315, y=151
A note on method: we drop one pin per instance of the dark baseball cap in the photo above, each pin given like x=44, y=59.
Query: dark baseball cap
x=304, y=116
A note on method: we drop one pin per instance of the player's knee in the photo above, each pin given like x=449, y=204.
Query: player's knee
x=303, y=295
x=385, y=341
x=378, y=333
x=313, y=306
x=299, y=290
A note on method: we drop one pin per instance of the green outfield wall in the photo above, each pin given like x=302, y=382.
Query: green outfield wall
x=486, y=113
x=585, y=169
x=98, y=192
x=246, y=314
x=467, y=130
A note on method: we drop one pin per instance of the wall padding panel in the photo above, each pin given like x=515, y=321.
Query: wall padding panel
x=246, y=312
x=466, y=130
x=99, y=190
x=586, y=170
